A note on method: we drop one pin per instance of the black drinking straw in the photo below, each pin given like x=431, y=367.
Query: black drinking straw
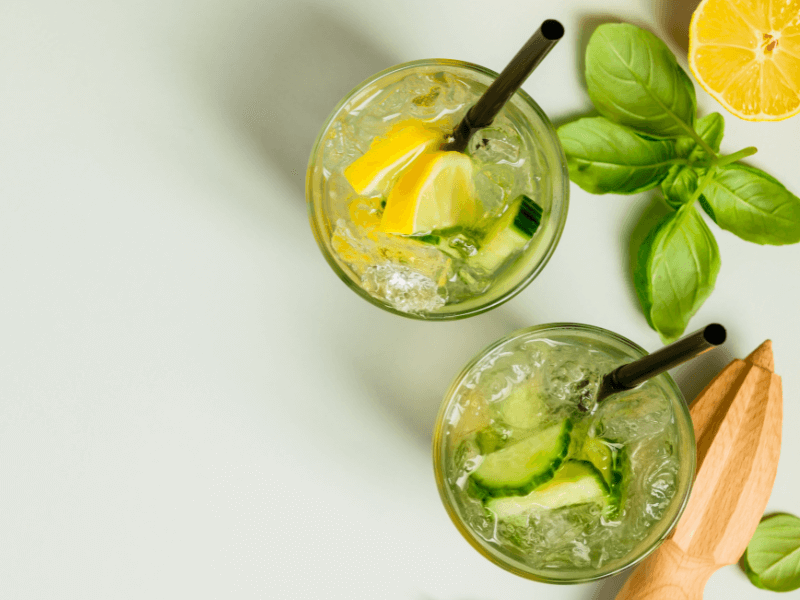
x=497, y=94
x=633, y=374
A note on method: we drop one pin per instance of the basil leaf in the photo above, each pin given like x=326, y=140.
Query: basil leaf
x=679, y=185
x=634, y=79
x=754, y=206
x=707, y=207
x=605, y=157
x=675, y=271
x=681, y=182
x=710, y=128
x=772, y=559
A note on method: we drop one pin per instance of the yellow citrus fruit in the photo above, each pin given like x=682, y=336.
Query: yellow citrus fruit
x=746, y=53
x=373, y=172
x=435, y=192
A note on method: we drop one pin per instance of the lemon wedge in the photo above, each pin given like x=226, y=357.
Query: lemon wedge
x=435, y=192
x=373, y=172
x=747, y=55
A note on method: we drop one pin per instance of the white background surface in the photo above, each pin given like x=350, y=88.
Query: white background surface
x=192, y=405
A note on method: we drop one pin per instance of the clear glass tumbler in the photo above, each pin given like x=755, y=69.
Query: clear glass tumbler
x=367, y=112
x=648, y=430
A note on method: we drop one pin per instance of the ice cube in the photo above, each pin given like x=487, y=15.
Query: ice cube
x=495, y=145
x=490, y=193
x=402, y=287
x=632, y=416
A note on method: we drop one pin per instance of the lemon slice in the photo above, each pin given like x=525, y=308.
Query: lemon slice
x=747, y=55
x=435, y=192
x=373, y=172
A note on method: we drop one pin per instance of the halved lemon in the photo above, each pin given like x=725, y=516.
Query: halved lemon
x=373, y=172
x=746, y=53
x=435, y=192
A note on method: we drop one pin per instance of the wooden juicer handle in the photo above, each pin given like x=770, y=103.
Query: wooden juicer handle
x=668, y=574
x=737, y=422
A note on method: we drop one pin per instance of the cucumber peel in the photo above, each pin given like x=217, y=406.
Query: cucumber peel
x=611, y=461
x=577, y=482
x=620, y=476
x=519, y=468
x=599, y=453
x=509, y=235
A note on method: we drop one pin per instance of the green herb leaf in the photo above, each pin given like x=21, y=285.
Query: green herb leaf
x=707, y=207
x=634, y=79
x=680, y=184
x=605, y=157
x=681, y=181
x=676, y=270
x=772, y=559
x=710, y=128
x=754, y=206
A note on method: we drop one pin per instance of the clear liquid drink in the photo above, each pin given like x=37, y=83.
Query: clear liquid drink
x=460, y=266
x=544, y=482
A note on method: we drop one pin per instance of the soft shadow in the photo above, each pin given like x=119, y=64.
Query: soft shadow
x=608, y=588
x=573, y=116
x=407, y=366
x=641, y=219
x=674, y=17
x=279, y=74
x=694, y=376
x=586, y=25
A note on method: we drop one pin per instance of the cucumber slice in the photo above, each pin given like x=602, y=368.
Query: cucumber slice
x=598, y=452
x=577, y=482
x=440, y=243
x=517, y=469
x=488, y=441
x=611, y=461
x=620, y=476
x=510, y=234
x=523, y=408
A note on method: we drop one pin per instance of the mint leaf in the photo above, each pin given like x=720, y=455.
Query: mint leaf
x=681, y=182
x=634, y=79
x=605, y=157
x=675, y=272
x=772, y=559
x=754, y=205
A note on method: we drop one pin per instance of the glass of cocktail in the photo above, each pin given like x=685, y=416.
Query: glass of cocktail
x=427, y=234
x=547, y=484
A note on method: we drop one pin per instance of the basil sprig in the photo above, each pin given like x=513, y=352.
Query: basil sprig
x=648, y=135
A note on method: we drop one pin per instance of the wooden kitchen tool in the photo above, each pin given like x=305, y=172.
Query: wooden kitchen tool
x=737, y=423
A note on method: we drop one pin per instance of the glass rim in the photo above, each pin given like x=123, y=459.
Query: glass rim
x=438, y=454
x=559, y=220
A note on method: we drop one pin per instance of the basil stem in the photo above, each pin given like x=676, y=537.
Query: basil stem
x=732, y=158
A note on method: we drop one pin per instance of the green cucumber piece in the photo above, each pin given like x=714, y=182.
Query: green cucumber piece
x=611, y=461
x=523, y=408
x=529, y=216
x=439, y=242
x=620, y=476
x=488, y=440
x=520, y=467
x=577, y=482
x=598, y=452
x=509, y=235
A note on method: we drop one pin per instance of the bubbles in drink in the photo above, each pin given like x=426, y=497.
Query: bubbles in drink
x=626, y=449
x=405, y=289
x=505, y=164
x=642, y=414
